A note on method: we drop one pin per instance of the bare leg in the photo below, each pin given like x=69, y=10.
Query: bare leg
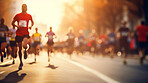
x=49, y=51
x=124, y=57
x=20, y=51
x=24, y=44
x=3, y=46
x=142, y=55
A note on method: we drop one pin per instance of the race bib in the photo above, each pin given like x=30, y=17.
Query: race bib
x=37, y=38
x=23, y=23
x=50, y=37
x=2, y=34
x=93, y=38
x=71, y=37
x=124, y=34
x=112, y=39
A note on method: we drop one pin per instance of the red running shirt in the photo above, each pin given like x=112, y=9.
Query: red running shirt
x=142, y=33
x=23, y=21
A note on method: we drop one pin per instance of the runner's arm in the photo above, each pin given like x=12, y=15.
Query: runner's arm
x=13, y=24
x=54, y=35
x=46, y=35
x=40, y=37
x=32, y=23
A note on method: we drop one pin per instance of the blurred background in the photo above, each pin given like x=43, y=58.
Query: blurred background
x=80, y=15
x=100, y=15
x=92, y=54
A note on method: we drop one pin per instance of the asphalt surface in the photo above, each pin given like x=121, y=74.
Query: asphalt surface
x=78, y=69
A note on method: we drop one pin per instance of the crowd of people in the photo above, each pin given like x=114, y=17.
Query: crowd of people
x=123, y=40
x=19, y=37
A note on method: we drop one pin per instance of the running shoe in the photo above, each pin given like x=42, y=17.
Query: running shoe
x=124, y=62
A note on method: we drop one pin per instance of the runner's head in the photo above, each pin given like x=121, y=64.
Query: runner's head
x=142, y=22
x=93, y=31
x=124, y=23
x=24, y=8
x=2, y=21
x=36, y=29
x=51, y=29
x=80, y=32
x=70, y=29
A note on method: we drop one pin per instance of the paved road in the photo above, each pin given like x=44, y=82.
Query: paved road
x=79, y=69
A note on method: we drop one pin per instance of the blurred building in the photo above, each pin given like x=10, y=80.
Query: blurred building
x=8, y=8
x=103, y=14
x=89, y=14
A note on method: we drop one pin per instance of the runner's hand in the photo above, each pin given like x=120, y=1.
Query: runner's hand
x=30, y=28
x=18, y=27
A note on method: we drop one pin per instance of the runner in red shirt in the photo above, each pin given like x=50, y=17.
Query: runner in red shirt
x=22, y=33
x=142, y=31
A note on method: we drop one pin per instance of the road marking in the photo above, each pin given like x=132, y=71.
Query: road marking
x=2, y=72
x=98, y=74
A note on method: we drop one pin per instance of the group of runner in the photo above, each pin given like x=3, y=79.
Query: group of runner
x=19, y=37
x=80, y=43
x=125, y=35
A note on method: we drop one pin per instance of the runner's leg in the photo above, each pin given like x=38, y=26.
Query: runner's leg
x=20, y=55
x=48, y=50
x=3, y=46
x=24, y=44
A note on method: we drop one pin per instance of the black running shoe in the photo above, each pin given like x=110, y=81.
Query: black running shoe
x=124, y=62
x=2, y=58
x=25, y=54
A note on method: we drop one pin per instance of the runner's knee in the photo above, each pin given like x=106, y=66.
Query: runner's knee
x=25, y=42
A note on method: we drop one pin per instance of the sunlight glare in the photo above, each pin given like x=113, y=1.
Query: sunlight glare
x=46, y=12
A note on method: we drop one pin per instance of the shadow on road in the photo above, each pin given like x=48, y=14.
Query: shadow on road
x=52, y=66
x=13, y=77
x=142, y=67
x=5, y=65
x=32, y=63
